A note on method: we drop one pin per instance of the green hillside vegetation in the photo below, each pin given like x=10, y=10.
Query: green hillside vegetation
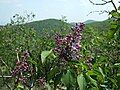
x=33, y=35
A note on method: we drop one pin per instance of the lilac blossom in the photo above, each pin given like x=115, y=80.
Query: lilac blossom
x=21, y=65
x=68, y=47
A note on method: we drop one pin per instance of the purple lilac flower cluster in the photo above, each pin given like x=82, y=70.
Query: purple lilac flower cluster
x=68, y=47
x=21, y=65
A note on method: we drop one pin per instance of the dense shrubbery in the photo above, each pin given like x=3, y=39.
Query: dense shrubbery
x=77, y=58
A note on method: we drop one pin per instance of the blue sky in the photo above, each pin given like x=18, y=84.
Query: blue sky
x=74, y=10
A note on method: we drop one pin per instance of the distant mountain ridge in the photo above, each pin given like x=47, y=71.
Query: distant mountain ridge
x=89, y=21
x=86, y=22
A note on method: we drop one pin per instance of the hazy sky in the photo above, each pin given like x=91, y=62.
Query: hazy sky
x=74, y=10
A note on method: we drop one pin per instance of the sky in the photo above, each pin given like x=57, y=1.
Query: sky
x=74, y=10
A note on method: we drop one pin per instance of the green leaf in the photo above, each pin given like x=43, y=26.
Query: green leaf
x=113, y=26
x=117, y=64
x=94, y=88
x=96, y=72
x=93, y=72
x=118, y=74
x=48, y=87
x=57, y=78
x=52, y=73
x=115, y=14
x=94, y=82
x=20, y=87
x=103, y=86
x=119, y=8
x=67, y=79
x=44, y=55
x=33, y=62
x=101, y=71
x=114, y=81
x=111, y=33
x=81, y=82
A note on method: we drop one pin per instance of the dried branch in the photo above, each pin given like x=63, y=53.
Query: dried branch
x=100, y=12
x=105, y=2
x=114, y=5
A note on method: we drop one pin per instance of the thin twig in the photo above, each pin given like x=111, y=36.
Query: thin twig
x=5, y=76
x=4, y=80
x=105, y=2
x=100, y=12
x=5, y=64
x=12, y=76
